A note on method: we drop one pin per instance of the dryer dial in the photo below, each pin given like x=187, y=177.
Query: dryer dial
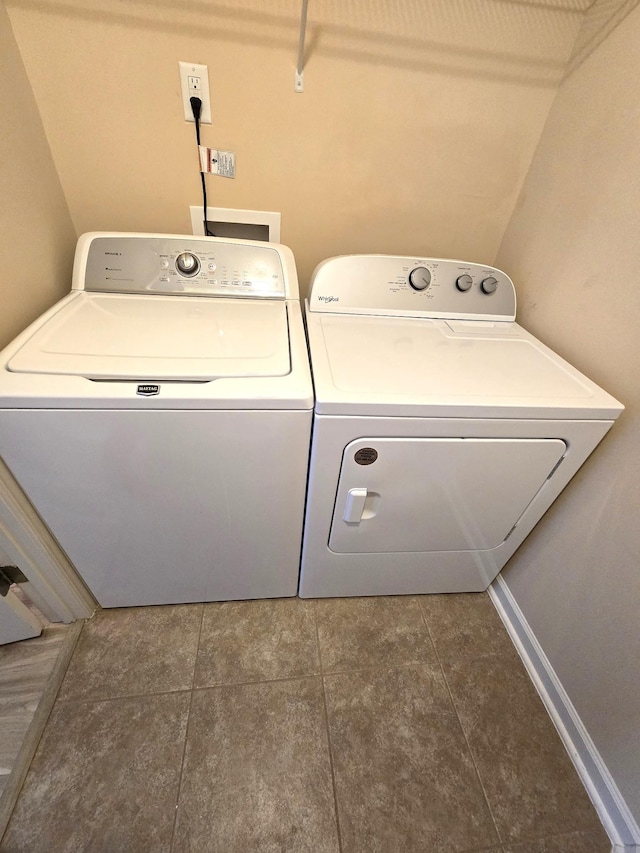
x=489, y=285
x=420, y=278
x=464, y=282
x=187, y=264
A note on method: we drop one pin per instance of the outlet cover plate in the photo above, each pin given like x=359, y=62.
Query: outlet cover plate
x=194, y=80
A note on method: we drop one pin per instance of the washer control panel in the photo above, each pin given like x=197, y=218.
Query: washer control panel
x=184, y=266
x=422, y=287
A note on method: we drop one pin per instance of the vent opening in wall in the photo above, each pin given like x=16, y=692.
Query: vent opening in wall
x=238, y=230
x=261, y=225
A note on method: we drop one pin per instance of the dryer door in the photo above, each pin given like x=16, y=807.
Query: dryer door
x=436, y=494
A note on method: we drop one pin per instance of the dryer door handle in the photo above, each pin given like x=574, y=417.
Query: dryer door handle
x=354, y=506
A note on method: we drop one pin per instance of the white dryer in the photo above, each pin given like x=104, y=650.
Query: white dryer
x=442, y=429
x=158, y=418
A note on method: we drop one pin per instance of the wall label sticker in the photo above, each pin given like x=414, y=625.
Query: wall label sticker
x=216, y=162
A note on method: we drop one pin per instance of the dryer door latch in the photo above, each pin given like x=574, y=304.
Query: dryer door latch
x=354, y=506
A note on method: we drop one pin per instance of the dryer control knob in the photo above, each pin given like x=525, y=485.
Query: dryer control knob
x=489, y=285
x=187, y=264
x=464, y=282
x=420, y=278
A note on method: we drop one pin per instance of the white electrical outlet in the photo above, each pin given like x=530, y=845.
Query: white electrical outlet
x=195, y=83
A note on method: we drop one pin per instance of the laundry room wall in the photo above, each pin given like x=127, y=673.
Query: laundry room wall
x=36, y=233
x=572, y=248
x=415, y=131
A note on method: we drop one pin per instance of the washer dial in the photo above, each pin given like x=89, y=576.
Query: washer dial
x=187, y=264
x=420, y=278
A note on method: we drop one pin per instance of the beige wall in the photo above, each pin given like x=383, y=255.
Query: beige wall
x=414, y=133
x=36, y=234
x=574, y=251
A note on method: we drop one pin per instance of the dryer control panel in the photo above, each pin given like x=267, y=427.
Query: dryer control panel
x=182, y=265
x=387, y=285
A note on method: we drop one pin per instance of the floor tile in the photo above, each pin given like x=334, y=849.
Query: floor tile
x=104, y=779
x=593, y=841
x=355, y=633
x=132, y=651
x=257, y=641
x=530, y=782
x=404, y=777
x=257, y=775
x=465, y=625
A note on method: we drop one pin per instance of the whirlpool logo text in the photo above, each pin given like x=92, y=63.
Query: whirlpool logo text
x=328, y=299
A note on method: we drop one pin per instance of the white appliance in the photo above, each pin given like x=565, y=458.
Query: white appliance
x=442, y=429
x=158, y=418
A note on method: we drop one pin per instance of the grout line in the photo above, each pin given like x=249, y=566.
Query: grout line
x=195, y=660
x=86, y=700
x=326, y=723
x=222, y=684
x=315, y=623
x=464, y=734
x=279, y=680
x=333, y=775
x=381, y=667
x=186, y=733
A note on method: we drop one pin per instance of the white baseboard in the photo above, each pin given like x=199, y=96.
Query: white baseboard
x=614, y=813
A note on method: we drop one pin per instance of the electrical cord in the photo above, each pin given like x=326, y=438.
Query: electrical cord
x=196, y=107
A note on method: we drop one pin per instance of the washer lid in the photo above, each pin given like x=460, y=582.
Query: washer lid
x=113, y=336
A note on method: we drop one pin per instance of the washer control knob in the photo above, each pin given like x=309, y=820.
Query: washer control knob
x=464, y=282
x=188, y=264
x=420, y=278
x=489, y=285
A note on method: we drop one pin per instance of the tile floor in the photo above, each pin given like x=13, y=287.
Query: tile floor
x=373, y=724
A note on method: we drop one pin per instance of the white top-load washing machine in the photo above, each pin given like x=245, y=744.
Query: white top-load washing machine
x=158, y=418
x=442, y=429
